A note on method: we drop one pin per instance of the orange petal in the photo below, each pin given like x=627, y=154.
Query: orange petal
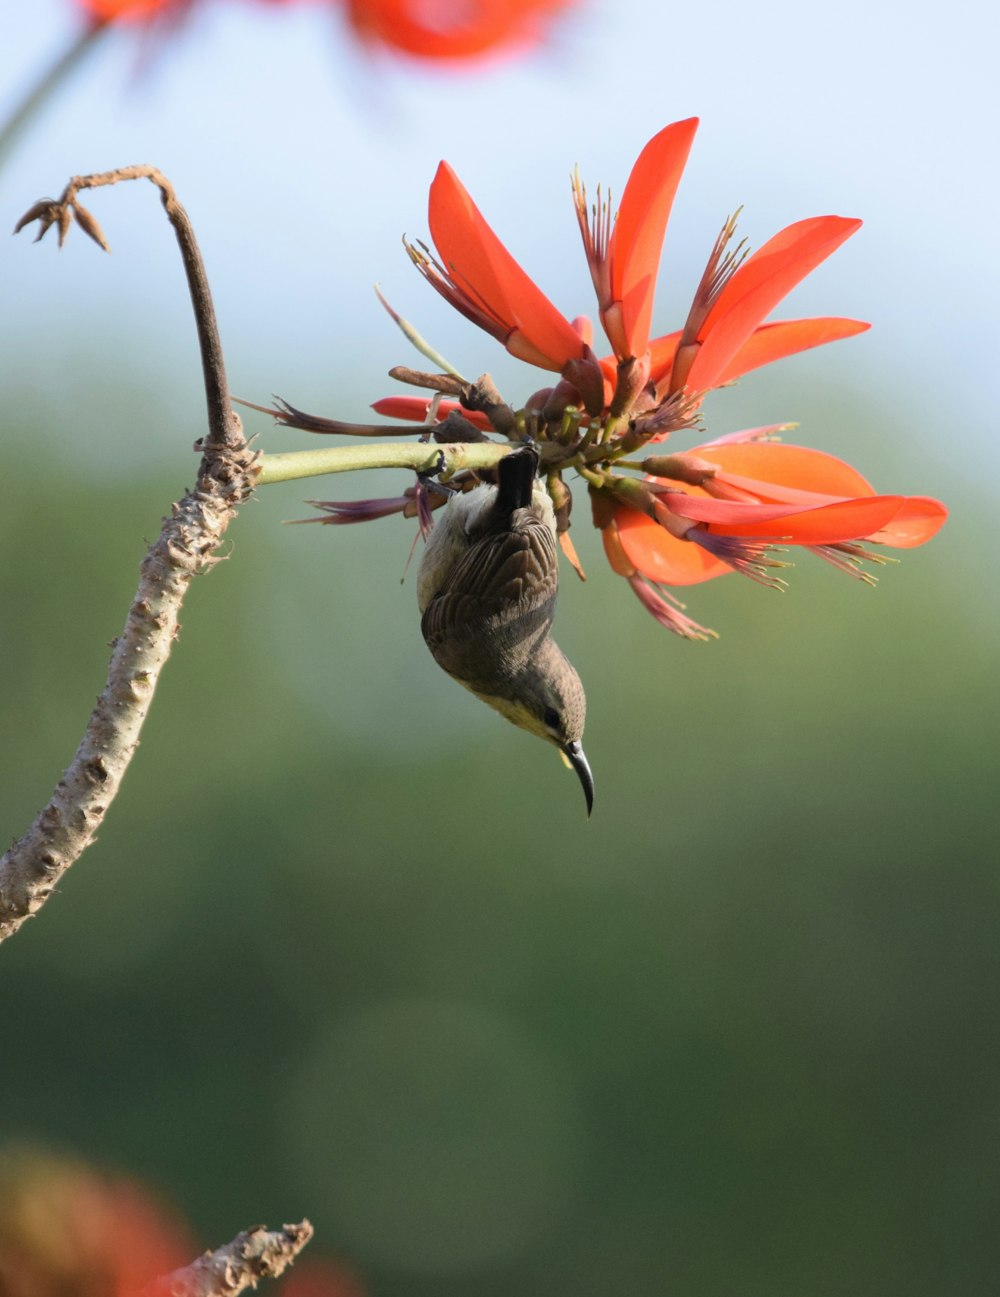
x=584, y=326
x=920, y=519
x=730, y=517
x=827, y=525
x=637, y=239
x=481, y=267
x=661, y=356
x=569, y=549
x=614, y=553
x=772, y=463
x=784, y=338
x=661, y=557
x=756, y=289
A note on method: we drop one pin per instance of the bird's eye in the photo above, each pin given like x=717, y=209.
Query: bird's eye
x=551, y=718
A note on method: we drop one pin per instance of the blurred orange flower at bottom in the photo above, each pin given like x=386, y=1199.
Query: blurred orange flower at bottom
x=68, y=1229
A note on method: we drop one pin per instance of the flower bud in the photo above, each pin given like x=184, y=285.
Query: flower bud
x=680, y=468
x=633, y=375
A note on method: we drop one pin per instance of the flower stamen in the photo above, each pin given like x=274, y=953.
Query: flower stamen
x=721, y=267
x=595, y=228
x=751, y=558
x=849, y=557
x=668, y=610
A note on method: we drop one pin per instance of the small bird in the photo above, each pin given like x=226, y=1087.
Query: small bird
x=487, y=591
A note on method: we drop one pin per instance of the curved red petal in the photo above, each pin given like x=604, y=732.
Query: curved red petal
x=827, y=525
x=773, y=463
x=730, y=516
x=918, y=521
x=660, y=556
x=637, y=239
x=481, y=267
x=783, y=338
x=758, y=286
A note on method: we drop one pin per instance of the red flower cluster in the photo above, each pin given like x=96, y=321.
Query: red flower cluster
x=724, y=506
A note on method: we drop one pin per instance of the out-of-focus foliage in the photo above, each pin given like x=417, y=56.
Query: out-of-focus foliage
x=347, y=946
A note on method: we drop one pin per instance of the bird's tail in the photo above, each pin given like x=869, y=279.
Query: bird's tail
x=516, y=480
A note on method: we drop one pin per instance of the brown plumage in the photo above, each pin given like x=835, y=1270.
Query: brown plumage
x=487, y=591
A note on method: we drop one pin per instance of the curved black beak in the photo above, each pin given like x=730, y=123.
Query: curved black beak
x=573, y=753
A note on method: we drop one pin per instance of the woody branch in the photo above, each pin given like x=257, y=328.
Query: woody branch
x=253, y=1255
x=34, y=865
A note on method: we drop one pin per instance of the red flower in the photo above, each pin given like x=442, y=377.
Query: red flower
x=728, y=503
x=725, y=334
x=733, y=504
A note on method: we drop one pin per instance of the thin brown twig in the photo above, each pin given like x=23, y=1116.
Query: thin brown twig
x=33, y=866
x=255, y=1254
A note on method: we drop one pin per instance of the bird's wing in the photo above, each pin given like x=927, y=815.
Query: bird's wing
x=500, y=596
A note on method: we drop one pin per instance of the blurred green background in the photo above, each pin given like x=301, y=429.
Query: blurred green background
x=347, y=946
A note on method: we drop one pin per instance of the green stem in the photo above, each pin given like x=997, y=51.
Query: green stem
x=421, y=457
x=51, y=80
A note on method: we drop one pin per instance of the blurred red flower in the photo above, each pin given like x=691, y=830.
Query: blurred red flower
x=67, y=1229
x=424, y=29
x=452, y=29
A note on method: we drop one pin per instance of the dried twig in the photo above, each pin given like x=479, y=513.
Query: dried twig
x=34, y=865
x=253, y=1255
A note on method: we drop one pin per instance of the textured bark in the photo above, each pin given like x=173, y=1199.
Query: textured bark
x=253, y=1255
x=34, y=865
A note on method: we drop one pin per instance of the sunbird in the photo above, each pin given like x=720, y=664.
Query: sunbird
x=487, y=590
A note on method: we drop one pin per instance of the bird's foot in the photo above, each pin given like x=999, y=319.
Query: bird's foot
x=429, y=481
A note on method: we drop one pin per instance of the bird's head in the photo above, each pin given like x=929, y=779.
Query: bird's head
x=546, y=698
